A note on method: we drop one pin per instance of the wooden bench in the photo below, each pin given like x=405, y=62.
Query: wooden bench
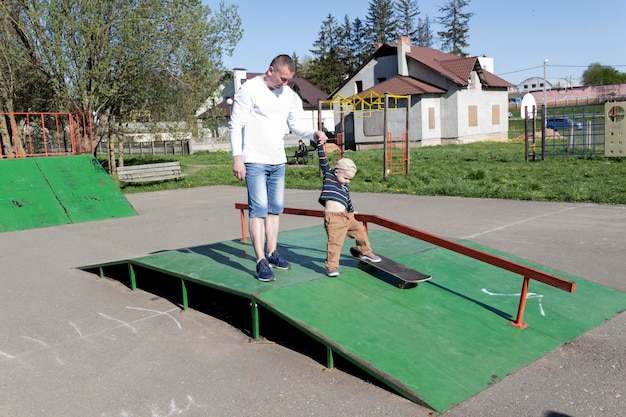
x=306, y=159
x=150, y=172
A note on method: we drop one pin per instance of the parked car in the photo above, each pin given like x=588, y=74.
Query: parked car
x=562, y=123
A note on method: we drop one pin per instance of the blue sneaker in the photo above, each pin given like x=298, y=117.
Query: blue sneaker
x=277, y=261
x=264, y=272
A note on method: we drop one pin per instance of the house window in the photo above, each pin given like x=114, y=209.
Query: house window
x=472, y=113
x=495, y=114
x=359, y=86
x=431, y=117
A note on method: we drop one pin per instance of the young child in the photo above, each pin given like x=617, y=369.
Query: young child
x=339, y=213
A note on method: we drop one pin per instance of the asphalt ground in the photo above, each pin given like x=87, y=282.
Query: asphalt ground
x=74, y=345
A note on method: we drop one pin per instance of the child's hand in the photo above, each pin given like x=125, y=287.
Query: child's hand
x=320, y=137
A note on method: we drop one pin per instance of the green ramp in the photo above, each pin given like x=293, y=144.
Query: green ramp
x=51, y=191
x=449, y=338
x=437, y=344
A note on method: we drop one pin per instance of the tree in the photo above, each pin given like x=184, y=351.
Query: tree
x=297, y=62
x=361, y=48
x=118, y=56
x=381, y=22
x=326, y=71
x=21, y=86
x=406, y=14
x=597, y=74
x=425, y=35
x=456, y=26
x=348, y=58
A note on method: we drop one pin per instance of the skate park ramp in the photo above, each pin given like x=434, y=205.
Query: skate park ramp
x=50, y=191
x=437, y=344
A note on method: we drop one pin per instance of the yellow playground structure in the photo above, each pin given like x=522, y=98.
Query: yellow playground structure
x=396, y=157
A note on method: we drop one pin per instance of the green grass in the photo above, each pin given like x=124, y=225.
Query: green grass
x=483, y=170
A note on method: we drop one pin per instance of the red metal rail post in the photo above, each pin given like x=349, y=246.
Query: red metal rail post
x=243, y=220
x=519, y=321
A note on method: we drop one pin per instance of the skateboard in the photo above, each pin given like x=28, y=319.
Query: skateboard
x=391, y=271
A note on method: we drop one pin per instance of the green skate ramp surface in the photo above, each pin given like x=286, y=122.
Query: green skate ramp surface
x=50, y=191
x=436, y=344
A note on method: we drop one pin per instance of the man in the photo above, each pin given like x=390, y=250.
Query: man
x=301, y=152
x=262, y=110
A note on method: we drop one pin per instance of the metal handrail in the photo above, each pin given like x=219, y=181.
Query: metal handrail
x=526, y=271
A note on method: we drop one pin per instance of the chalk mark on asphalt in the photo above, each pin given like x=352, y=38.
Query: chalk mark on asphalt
x=48, y=346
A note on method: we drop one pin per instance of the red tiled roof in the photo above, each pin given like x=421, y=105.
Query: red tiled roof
x=309, y=93
x=448, y=65
x=402, y=85
x=494, y=80
x=459, y=69
x=452, y=66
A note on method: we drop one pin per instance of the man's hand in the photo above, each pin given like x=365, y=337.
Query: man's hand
x=320, y=137
x=239, y=168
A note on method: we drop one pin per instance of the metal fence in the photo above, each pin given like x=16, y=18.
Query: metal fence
x=569, y=131
x=584, y=134
x=45, y=133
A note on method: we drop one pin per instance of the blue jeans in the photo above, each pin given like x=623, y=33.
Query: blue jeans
x=266, y=189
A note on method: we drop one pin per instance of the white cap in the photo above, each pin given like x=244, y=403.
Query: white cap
x=346, y=164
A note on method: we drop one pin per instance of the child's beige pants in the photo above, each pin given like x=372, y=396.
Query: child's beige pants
x=337, y=226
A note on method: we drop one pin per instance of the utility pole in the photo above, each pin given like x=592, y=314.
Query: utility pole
x=545, y=62
x=544, y=113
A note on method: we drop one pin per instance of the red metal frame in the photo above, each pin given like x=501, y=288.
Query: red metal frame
x=79, y=125
x=526, y=271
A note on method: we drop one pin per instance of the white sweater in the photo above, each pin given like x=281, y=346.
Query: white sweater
x=259, y=119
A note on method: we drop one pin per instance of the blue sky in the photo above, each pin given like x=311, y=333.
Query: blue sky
x=518, y=35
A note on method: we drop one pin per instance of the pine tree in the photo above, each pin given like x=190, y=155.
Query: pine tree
x=326, y=40
x=456, y=26
x=381, y=22
x=425, y=35
x=346, y=51
x=326, y=71
x=361, y=48
x=296, y=61
x=406, y=14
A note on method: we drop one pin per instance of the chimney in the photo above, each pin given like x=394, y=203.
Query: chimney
x=404, y=48
x=239, y=75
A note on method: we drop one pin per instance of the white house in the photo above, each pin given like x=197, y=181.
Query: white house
x=452, y=99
